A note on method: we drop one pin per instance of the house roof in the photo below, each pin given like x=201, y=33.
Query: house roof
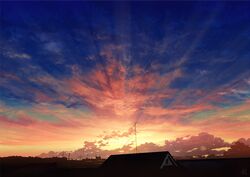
x=136, y=161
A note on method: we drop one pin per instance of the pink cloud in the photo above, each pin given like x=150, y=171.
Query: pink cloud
x=200, y=144
x=21, y=121
x=113, y=95
x=246, y=141
x=118, y=134
x=8, y=76
x=187, y=146
x=178, y=111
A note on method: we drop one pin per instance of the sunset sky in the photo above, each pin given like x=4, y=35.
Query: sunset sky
x=76, y=72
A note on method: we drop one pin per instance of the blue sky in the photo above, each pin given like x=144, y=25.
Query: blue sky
x=67, y=65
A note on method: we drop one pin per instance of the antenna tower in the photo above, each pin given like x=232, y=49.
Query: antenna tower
x=135, y=138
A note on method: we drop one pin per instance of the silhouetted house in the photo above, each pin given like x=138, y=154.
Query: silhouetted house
x=139, y=164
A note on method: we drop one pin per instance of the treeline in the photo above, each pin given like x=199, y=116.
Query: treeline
x=18, y=161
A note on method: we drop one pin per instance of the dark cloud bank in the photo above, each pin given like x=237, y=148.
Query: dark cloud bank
x=201, y=145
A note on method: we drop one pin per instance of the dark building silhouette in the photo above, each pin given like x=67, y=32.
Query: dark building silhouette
x=139, y=164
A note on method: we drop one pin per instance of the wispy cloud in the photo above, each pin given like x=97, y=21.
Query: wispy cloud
x=13, y=54
x=93, y=75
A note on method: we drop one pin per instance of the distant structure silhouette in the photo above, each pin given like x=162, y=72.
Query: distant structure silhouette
x=98, y=157
x=135, y=137
x=69, y=156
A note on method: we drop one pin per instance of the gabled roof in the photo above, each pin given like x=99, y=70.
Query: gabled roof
x=136, y=161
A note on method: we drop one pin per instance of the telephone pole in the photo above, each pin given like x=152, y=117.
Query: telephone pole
x=135, y=139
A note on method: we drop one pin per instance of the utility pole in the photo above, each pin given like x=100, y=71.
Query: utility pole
x=135, y=139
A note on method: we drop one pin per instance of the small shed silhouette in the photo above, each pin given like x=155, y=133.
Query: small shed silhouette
x=140, y=163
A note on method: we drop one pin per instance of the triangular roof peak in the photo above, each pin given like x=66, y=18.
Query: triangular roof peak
x=153, y=160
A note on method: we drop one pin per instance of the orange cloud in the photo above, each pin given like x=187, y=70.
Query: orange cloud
x=159, y=111
x=111, y=97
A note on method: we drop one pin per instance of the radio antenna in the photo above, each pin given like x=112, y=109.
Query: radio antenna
x=135, y=138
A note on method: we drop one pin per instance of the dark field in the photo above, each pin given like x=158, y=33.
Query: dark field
x=61, y=167
x=55, y=167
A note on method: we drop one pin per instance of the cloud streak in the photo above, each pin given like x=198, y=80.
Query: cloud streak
x=93, y=75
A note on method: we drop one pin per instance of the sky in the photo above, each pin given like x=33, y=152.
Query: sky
x=88, y=71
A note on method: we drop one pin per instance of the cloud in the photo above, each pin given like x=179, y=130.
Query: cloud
x=117, y=134
x=89, y=150
x=150, y=147
x=113, y=94
x=19, y=55
x=248, y=81
x=246, y=141
x=116, y=88
x=54, y=47
x=159, y=111
x=40, y=124
x=11, y=53
x=72, y=79
x=39, y=116
x=22, y=121
x=238, y=149
x=198, y=145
